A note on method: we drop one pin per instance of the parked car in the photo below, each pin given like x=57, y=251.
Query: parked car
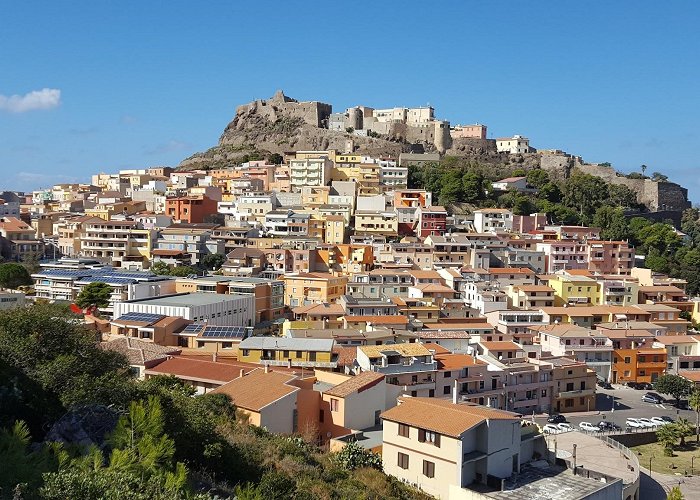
x=647, y=423
x=564, y=427
x=682, y=405
x=606, y=425
x=646, y=386
x=660, y=421
x=666, y=419
x=550, y=429
x=633, y=385
x=605, y=385
x=556, y=419
x=588, y=427
x=650, y=397
x=635, y=423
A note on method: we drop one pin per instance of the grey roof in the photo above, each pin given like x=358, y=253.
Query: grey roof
x=188, y=299
x=287, y=344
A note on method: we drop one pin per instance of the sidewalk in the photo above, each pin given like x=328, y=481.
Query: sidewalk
x=657, y=485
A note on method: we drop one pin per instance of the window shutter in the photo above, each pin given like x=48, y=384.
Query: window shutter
x=421, y=435
x=437, y=440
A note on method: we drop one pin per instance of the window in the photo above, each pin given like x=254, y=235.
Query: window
x=569, y=403
x=448, y=374
x=402, y=461
x=403, y=430
x=428, y=468
x=627, y=359
x=334, y=404
x=429, y=437
x=227, y=345
x=320, y=416
x=285, y=354
x=446, y=389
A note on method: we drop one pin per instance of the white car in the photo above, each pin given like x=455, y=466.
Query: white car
x=659, y=421
x=551, y=429
x=634, y=422
x=646, y=422
x=588, y=427
x=564, y=427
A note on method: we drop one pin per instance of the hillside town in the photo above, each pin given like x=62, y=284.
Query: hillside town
x=328, y=299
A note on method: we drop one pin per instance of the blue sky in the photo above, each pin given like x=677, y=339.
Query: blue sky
x=149, y=83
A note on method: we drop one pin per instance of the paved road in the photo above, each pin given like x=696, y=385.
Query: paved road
x=627, y=404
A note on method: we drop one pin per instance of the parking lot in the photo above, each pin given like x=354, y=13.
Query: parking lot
x=627, y=403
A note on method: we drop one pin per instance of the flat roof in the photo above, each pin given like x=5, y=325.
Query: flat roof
x=188, y=299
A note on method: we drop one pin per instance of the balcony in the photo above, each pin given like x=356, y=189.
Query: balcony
x=588, y=347
x=416, y=366
x=651, y=364
x=576, y=394
x=418, y=386
x=299, y=363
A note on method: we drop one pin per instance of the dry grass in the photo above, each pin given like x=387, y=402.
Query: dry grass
x=679, y=463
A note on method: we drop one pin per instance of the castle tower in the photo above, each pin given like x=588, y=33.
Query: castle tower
x=354, y=118
x=443, y=139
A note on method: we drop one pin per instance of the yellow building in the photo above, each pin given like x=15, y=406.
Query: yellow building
x=575, y=290
x=346, y=172
x=375, y=222
x=312, y=288
x=289, y=352
x=335, y=229
x=106, y=211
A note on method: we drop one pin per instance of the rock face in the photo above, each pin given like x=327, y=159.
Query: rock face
x=84, y=426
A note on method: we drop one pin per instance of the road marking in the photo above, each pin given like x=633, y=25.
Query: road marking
x=661, y=406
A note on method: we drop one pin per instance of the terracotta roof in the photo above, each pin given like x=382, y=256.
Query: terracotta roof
x=434, y=287
x=511, y=179
x=660, y=288
x=137, y=351
x=324, y=308
x=424, y=274
x=692, y=375
x=534, y=288
x=510, y=270
x=358, y=383
x=455, y=361
x=677, y=339
x=258, y=389
x=435, y=334
x=406, y=349
x=437, y=348
x=346, y=354
x=163, y=251
x=455, y=419
x=501, y=346
x=461, y=325
x=196, y=370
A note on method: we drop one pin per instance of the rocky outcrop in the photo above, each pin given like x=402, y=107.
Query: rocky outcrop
x=84, y=426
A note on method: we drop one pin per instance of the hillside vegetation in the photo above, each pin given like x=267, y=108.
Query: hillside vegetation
x=144, y=440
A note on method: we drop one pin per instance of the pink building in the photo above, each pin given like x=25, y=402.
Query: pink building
x=476, y=131
x=610, y=257
x=431, y=221
x=564, y=255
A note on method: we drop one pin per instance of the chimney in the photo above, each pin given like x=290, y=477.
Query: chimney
x=454, y=392
x=242, y=373
x=214, y=357
x=267, y=368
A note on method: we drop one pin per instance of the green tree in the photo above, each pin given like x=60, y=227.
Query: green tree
x=276, y=485
x=659, y=177
x=213, y=261
x=275, y=159
x=675, y=494
x=21, y=466
x=612, y=223
x=585, y=193
x=183, y=271
x=472, y=187
x=684, y=428
x=537, y=178
x=13, y=275
x=667, y=435
x=673, y=385
x=160, y=268
x=96, y=294
x=643, y=168
x=694, y=402
x=620, y=195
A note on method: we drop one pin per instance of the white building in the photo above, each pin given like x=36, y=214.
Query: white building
x=215, y=309
x=492, y=220
x=309, y=172
x=513, y=145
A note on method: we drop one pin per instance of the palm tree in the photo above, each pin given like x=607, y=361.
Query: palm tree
x=684, y=428
x=694, y=402
x=667, y=435
x=644, y=169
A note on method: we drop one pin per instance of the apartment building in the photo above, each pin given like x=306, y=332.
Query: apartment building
x=493, y=220
x=580, y=344
x=313, y=288
x=410, y=366
x=286, y=223
x=563, y=255
x=431, y=221
x=376, y=222
x=122, y=243
x=610, y=257
x=18, y=240
x=513, y=145
x=190, y=209
x=181, y=244
x=638, y=365
x=465, y=446
x=309, y=172
x=530, y=296
x=574, y=290
x=574, y=388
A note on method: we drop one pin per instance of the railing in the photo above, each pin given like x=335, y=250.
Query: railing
x=625, y=452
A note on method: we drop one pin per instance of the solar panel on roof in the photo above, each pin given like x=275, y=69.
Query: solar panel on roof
x=224, y=332
x=136, y=316
x=193, y=328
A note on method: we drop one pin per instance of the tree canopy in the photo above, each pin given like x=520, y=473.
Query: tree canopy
x=96, y=294
x=13, y=275
x=673, y=385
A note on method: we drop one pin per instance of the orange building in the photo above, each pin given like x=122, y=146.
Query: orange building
x=638, y=365
x=190, y=209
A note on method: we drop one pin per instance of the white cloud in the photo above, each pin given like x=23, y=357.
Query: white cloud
x=36, y=99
